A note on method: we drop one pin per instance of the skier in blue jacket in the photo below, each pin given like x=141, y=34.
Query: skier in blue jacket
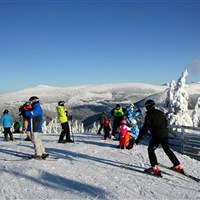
x=131, y=113
x=35, y=127
x=6, y=120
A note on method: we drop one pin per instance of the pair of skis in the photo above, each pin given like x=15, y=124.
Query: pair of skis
x=159, y=175
x=30, y=157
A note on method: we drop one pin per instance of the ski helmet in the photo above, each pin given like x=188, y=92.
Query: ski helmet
x=34, y=100
x=61, y=103
x=123, y=121
x=5, y=111
x=149, y=104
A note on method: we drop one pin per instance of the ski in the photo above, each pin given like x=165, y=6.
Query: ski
x=127, y=166
x=182, y=172
x=29, y=157
x=49, y=158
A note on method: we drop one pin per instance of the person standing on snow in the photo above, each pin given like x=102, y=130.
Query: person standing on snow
x=22, y=110
x=63, y=119
x=118, y=114
x=156, y=123
x=131, y=113
x=35, y=127
x=102, y=118
x=134, y=132
x=123, y=131
x=107, y=129
x=6, y=120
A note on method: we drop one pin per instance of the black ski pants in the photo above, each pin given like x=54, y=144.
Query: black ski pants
x=65, y=131
x=7, y=132
x=153, y=144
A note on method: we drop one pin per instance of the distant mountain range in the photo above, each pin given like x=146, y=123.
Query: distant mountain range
x=86, y=102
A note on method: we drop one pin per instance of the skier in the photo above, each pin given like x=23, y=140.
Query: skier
x=118, y=114
x=123, y=131
x=134, y=132
x=63, y=119
x=35, y=127
x=107, y=129
x=22, y=109
x=156, y=123
x=6, y=120
x=17, y=127
x=102, y=118
x=132, y=112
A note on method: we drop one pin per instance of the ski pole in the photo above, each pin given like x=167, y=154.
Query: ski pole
x=71, y=127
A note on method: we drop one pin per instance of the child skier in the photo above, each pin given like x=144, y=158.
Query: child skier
x=134, y=132
x=123, y=131
x=6, y=120
x=107, y=129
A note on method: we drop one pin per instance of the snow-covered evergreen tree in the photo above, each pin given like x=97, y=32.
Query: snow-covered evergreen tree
x=170, y=96
x=55, y=127
x=195, y=118
x=94, y=128
x=178, y=113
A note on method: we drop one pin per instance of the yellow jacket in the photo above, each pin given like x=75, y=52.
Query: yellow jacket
x=61, y=113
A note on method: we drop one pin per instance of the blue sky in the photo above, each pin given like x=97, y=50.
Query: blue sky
x=65, y=43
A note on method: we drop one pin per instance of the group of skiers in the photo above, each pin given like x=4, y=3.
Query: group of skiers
x=155, y=123
x=125, y=121
x=32, y=113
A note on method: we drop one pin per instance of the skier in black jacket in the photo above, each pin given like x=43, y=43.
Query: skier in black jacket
x=156, y=123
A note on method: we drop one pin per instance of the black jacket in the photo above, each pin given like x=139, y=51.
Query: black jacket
x=156, y=123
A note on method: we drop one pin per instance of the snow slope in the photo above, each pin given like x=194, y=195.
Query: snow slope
x=90, y=168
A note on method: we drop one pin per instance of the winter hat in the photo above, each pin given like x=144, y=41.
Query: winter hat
x=106, y=121
x=149, y=104
x=5, y=111
x=61, y=103
x=117, y=106
x=33, y=100
x=133, y=122
x=132, y=105
x=123, y=121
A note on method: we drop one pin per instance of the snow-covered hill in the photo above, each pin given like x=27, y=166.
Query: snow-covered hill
x=91, y=168
x=87, y=101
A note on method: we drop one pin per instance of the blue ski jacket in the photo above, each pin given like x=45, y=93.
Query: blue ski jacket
x=34, y=118
x=6, y=120
x=134, y=132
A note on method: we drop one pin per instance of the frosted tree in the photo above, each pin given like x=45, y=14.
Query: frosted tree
x=55, y=127
x=178, y=113
x=94, y=128
x=195, y=118
x=170, y=96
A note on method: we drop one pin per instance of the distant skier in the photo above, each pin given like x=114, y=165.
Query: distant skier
x=156, y=123
x=102, y=118
x=124, y=137
x=132, y=112
x=6, y=120
x=107, y=129
x=134, y=132
x=62, y=114
x=17, y=127
x=118, y=114
x=22, y=110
